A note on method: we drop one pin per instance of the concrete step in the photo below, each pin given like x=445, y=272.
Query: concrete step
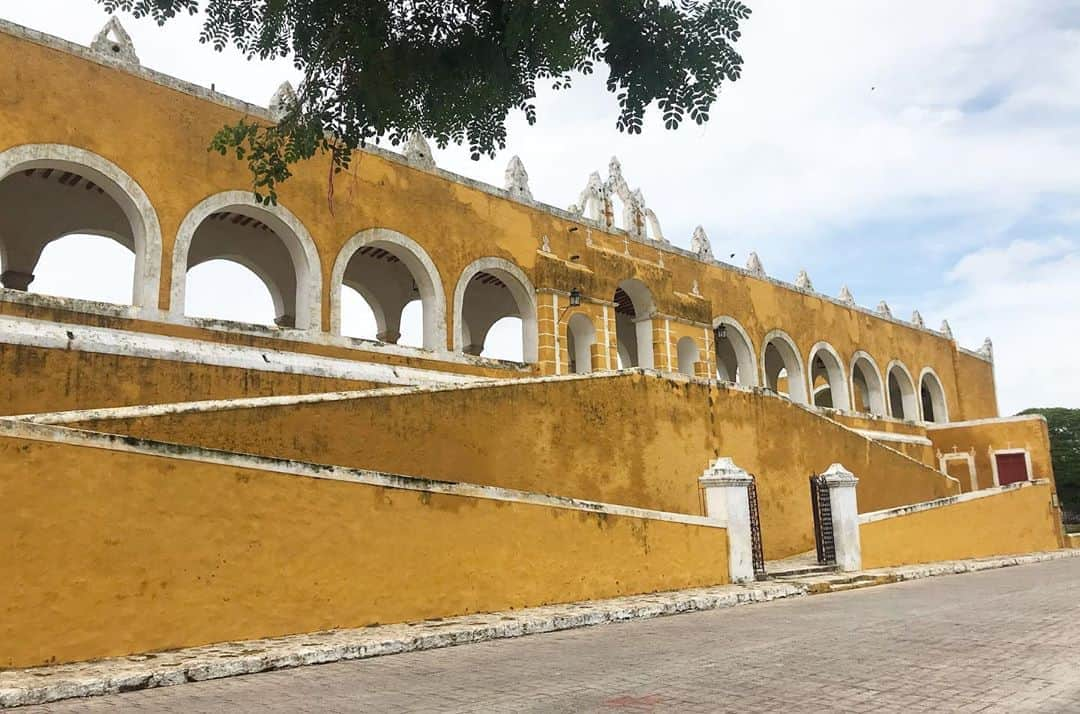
x=801, y=571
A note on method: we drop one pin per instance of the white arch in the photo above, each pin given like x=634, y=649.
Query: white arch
x=789, y=354
x=909, y=404
x=876, y=391
x=520, y=288
x=688, y=353
x=297, y=240
x=937, y=396
x=420, y=266
x=120, y=187
x=834, y=374
x=743, y=348
x=644, y=308
x=581, y=329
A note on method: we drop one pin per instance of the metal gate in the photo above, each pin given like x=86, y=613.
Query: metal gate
x=823, y=525
x=755, y=532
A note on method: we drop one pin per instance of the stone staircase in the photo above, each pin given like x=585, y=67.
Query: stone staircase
x=804, y=570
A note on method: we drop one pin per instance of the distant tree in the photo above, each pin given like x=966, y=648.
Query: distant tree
x=1064, y=428
x=454, y=69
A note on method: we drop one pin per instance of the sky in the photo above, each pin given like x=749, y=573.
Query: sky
x=925, y=153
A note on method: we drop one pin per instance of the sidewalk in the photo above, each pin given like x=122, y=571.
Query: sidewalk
x=47, y=684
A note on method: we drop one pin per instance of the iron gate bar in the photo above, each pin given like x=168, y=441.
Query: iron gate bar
x=755, y=532
x=823, y=526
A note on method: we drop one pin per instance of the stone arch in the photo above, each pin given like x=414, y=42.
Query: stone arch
x=825, y=362
x=634, y=309
x=389, y=262
x=473, y=319
x=735, y=361
x=239, y=226
x=903, y=401
x=867, y=386
x=88, y=173
x=779, y=357
x=688, y=354
x=934, y=407
x=580, y=337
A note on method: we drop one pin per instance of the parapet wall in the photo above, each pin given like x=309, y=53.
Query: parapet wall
x=635, y=439
x=111, y=547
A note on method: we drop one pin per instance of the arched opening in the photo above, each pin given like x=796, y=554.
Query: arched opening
x=687, y=349
x=580, y=338
x=63, y=209
x=62, y=269
x=734, y=353
x=634, y=308
x=398, y=281
x=867, y=392
x=488, y=291
x=902, y=400
x=827, y=378
x=267, y=240
x=932, y=397
x=783, y=367
x=228, y=290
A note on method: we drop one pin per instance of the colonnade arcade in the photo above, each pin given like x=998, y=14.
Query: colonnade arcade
x=392, y=272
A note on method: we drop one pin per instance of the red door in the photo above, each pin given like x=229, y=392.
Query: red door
x=1011, y=468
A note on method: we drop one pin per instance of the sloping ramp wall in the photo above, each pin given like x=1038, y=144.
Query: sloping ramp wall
x=999, y=521
x=635, y=439
x=112, y=546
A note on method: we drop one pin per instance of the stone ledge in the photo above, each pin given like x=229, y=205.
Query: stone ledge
x=42, y=685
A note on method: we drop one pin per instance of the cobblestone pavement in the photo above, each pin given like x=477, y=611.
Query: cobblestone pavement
x=1002, y=640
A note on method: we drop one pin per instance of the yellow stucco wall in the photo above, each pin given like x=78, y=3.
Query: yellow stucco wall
x=45, y=380
x=632, y=439
x=1072, y=540
x=979, y=439
x=108, y=553
x=1016, y=521
x=163, y=146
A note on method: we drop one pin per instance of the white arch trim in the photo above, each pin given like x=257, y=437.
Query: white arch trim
x=289, y=229
x=797, y=384
x=122, y=188
x=879, y=401
x=748, y=366
x=524, y=295
x=911, y=408
x=940, y=403
x=835, y=375
x=419, y=264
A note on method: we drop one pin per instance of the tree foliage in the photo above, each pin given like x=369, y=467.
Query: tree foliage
x=453, y=70
x=1064, y=428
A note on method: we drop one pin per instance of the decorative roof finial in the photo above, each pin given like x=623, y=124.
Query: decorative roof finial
x=517, y=180
x=987, y=349
x=699, y=244
x=114, y=42
x=802, y=281
x=846, y=297
x=883, y=309
x=945, y=329
x=754, y=266
x=418, y=151
x=916, y=319
x=283, y=101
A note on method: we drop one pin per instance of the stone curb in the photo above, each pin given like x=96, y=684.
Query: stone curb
x=124, y=674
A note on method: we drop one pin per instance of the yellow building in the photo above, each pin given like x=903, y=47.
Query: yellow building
x=286, y=478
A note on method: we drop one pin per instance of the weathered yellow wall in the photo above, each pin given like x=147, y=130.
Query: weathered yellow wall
x=45, y=380
x=163, y=146
x=1072, y=540
x=1016, y=521
x=631, y=439
x=108, y=553
x=1010, y=433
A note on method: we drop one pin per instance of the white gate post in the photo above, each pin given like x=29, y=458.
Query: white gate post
x=845, y=517
x=727, y=500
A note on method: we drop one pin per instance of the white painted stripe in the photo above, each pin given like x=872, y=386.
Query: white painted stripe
x=104, y=340
x=109, y=442
x=607, y=339
x=555, y=317
x=947, y=501
x=667, y=343
x=983, y=422
x=891, y=436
